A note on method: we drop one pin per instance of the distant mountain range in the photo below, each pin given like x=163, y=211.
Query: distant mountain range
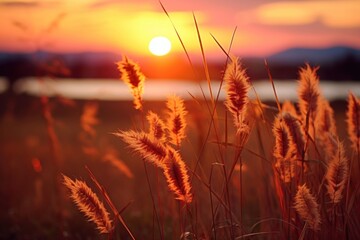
x=336, y=63
x=314, y=55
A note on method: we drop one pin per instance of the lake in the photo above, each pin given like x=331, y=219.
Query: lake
x=114, y=89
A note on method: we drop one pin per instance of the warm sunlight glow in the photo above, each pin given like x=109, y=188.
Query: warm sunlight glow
x=292, y=13
x=160, y=46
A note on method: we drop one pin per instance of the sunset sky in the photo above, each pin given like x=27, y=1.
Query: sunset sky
x=263, y=26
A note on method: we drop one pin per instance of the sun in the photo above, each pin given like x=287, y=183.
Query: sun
x=160, y=46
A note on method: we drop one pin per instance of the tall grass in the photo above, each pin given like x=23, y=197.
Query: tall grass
x=297, y=183
x=241, y=169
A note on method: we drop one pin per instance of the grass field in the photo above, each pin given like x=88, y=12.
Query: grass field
x=35, y=205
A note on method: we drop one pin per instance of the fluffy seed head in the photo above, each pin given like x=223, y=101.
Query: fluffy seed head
x=134, y=78
x=326, y=128
x=88, y=203
x=88, y=118
x=296, y=132
x=177, y=176
x=337, y=175
x=308, y=92
x=284, y=150
x=325, y=121
x=307, y=207
x=176, y=122
x=156, y=127
x=149, y=148
x=353, y=121
x=237, y=88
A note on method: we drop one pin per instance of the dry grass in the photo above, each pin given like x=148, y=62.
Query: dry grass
x=149, y=148
x=337, y=175
x=177, y=176
x=88, y=203
x=238, y=170
x=304, y=184
x=134, y=78
x=176, y=123
x=237, y=88
x=353, y=121
x=307, y=207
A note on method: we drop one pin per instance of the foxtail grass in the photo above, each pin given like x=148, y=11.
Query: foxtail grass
x=89, y=204
x=353, y=121
x=284, y=150
x=134, y=78
x=176, y=122
x=157, y=128
x=307, y=207
x=308, y=92
x=237, y=88
x=89, y=119
x=177, y=176
x=337, y=175
x=142, y=143
x=326, y=171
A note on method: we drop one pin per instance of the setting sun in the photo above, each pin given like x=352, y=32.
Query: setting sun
x=160, y=46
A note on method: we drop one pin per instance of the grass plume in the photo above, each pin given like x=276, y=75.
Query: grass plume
x=176, y=122
x=177, y=176
x=157, y=128
x=296, y=133
x=326, y=128
x=134, y=78
x=89, y=204
x=237, y=87
x=337, y=175
x=283, y=150
x=353, y=121
x=149, y=148
x=308, y=92
x=88, y=118
x=307, y=207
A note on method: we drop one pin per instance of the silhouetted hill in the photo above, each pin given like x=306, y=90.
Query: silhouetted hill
x=336, y=63
x=316, y=56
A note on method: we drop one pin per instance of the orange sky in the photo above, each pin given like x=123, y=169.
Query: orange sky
x=264, y=26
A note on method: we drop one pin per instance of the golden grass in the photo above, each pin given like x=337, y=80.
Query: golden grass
x=157, y=128
x=89, y=204
x=296, y=133
x=149, y=148
x=134, y=78
x=155, y=148
x=88, y=118
x=326, y=128
x=284, y=150
x=176, y=122
x=177, y=176
x=307, y=207
x=308, y=92
x=306, y=154
x=237, y=88
x=353, y=121
x=337, y=175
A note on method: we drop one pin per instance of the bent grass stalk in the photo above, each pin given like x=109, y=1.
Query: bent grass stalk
x=109, y=202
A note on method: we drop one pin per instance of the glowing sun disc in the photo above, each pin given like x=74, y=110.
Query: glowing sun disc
x=160, y=46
